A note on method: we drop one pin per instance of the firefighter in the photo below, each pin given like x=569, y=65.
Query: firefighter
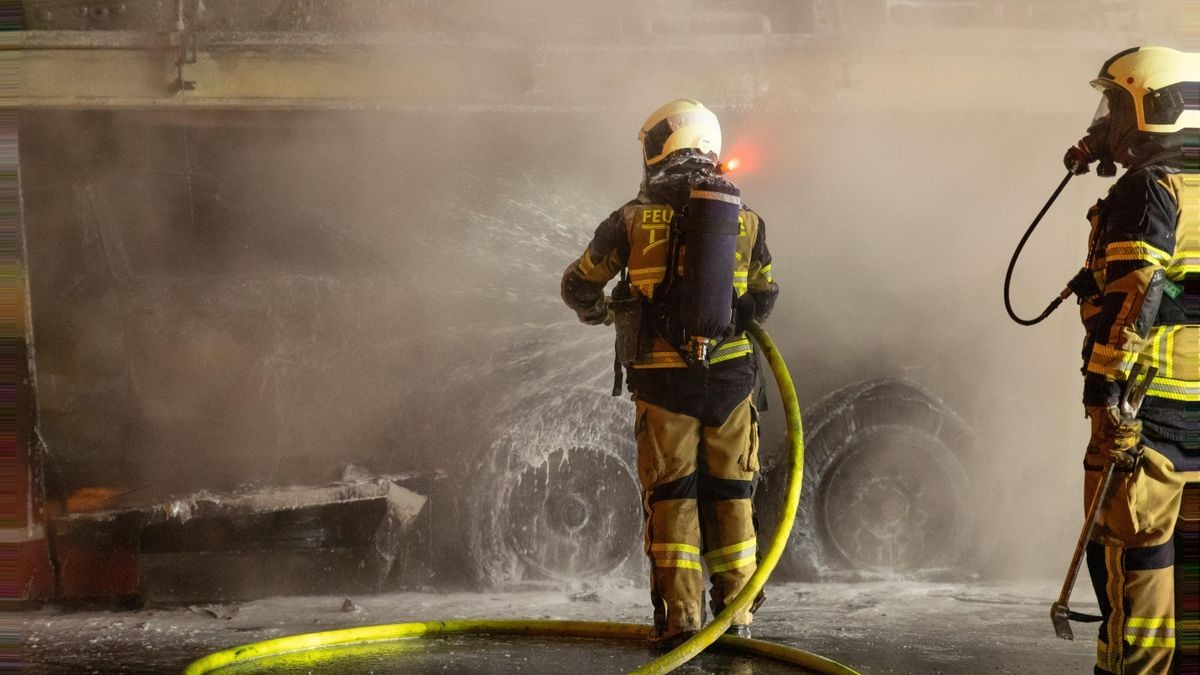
x=1144, y=307
x=695, y=424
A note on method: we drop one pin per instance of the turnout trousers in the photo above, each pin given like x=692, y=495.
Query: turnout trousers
x=697, y=484
x=1143, y=562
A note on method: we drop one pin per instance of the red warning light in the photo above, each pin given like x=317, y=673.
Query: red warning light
x=730, y=165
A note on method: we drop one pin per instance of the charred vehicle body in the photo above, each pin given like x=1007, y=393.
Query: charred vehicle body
x=318, y=243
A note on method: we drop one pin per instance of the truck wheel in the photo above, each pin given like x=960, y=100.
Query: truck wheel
x=887, y=487
x=558, y=499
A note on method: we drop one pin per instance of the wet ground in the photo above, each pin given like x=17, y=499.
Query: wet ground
x=875, y=627
x=498, y=656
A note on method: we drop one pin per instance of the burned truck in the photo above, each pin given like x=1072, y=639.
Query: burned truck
x=287, y=243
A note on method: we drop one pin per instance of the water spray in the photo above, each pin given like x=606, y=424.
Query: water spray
x=314, y=649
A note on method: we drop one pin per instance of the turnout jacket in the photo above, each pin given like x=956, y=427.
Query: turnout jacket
x=1144, y=255
x=636, y=237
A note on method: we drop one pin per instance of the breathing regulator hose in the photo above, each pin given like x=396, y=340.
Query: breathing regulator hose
x=1066, y=292
x=312, y=648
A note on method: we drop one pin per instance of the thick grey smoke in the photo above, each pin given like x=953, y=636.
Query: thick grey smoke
x=239, y=297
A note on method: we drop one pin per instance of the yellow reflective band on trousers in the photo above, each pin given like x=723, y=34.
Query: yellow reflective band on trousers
x=1111, y=658
x=684, y=556
x=1150, y=632
x=732, y=557
x=672, y=448
x=1133, y=564
x=673, y=548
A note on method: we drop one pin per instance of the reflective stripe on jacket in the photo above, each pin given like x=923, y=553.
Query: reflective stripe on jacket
x=645, y=251
x=1145, y=257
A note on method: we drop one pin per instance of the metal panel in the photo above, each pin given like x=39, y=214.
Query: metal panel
x=96, y=69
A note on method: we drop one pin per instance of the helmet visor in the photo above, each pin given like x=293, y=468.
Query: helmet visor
x=1103, y=111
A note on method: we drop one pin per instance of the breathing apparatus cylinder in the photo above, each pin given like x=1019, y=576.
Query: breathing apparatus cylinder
x=709, y=248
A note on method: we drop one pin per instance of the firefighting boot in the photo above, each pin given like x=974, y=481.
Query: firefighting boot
x=741, y=630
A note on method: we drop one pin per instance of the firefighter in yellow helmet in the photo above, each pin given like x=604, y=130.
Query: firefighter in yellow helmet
x=685, y=248
x=1143, y=307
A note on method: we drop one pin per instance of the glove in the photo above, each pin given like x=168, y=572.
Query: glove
x=600, y=313
x=1114, y=436
x=1078, y=159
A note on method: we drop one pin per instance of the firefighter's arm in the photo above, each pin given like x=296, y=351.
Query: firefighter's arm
x=1139, y=241
x=761, y=283
x=584, y=279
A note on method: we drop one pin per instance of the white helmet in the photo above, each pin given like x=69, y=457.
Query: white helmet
x=679, y=125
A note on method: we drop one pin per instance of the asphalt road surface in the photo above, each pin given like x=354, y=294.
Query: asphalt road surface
x=874, y=627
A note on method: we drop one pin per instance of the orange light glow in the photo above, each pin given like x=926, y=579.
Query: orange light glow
x=92, y=499
x=742, y=158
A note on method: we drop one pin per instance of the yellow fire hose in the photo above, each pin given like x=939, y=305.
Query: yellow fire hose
x=698, y=642
x=308, y=647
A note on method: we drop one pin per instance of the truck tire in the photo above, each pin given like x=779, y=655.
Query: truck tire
x=557, y=498
x=887, y=484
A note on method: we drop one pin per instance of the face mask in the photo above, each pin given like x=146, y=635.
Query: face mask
x=1097, y=145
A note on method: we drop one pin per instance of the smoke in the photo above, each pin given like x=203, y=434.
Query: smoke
x=231, y=297
x=896, y=271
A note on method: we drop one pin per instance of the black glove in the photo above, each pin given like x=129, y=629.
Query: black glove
x=1080, y=156
x=1078, y=159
